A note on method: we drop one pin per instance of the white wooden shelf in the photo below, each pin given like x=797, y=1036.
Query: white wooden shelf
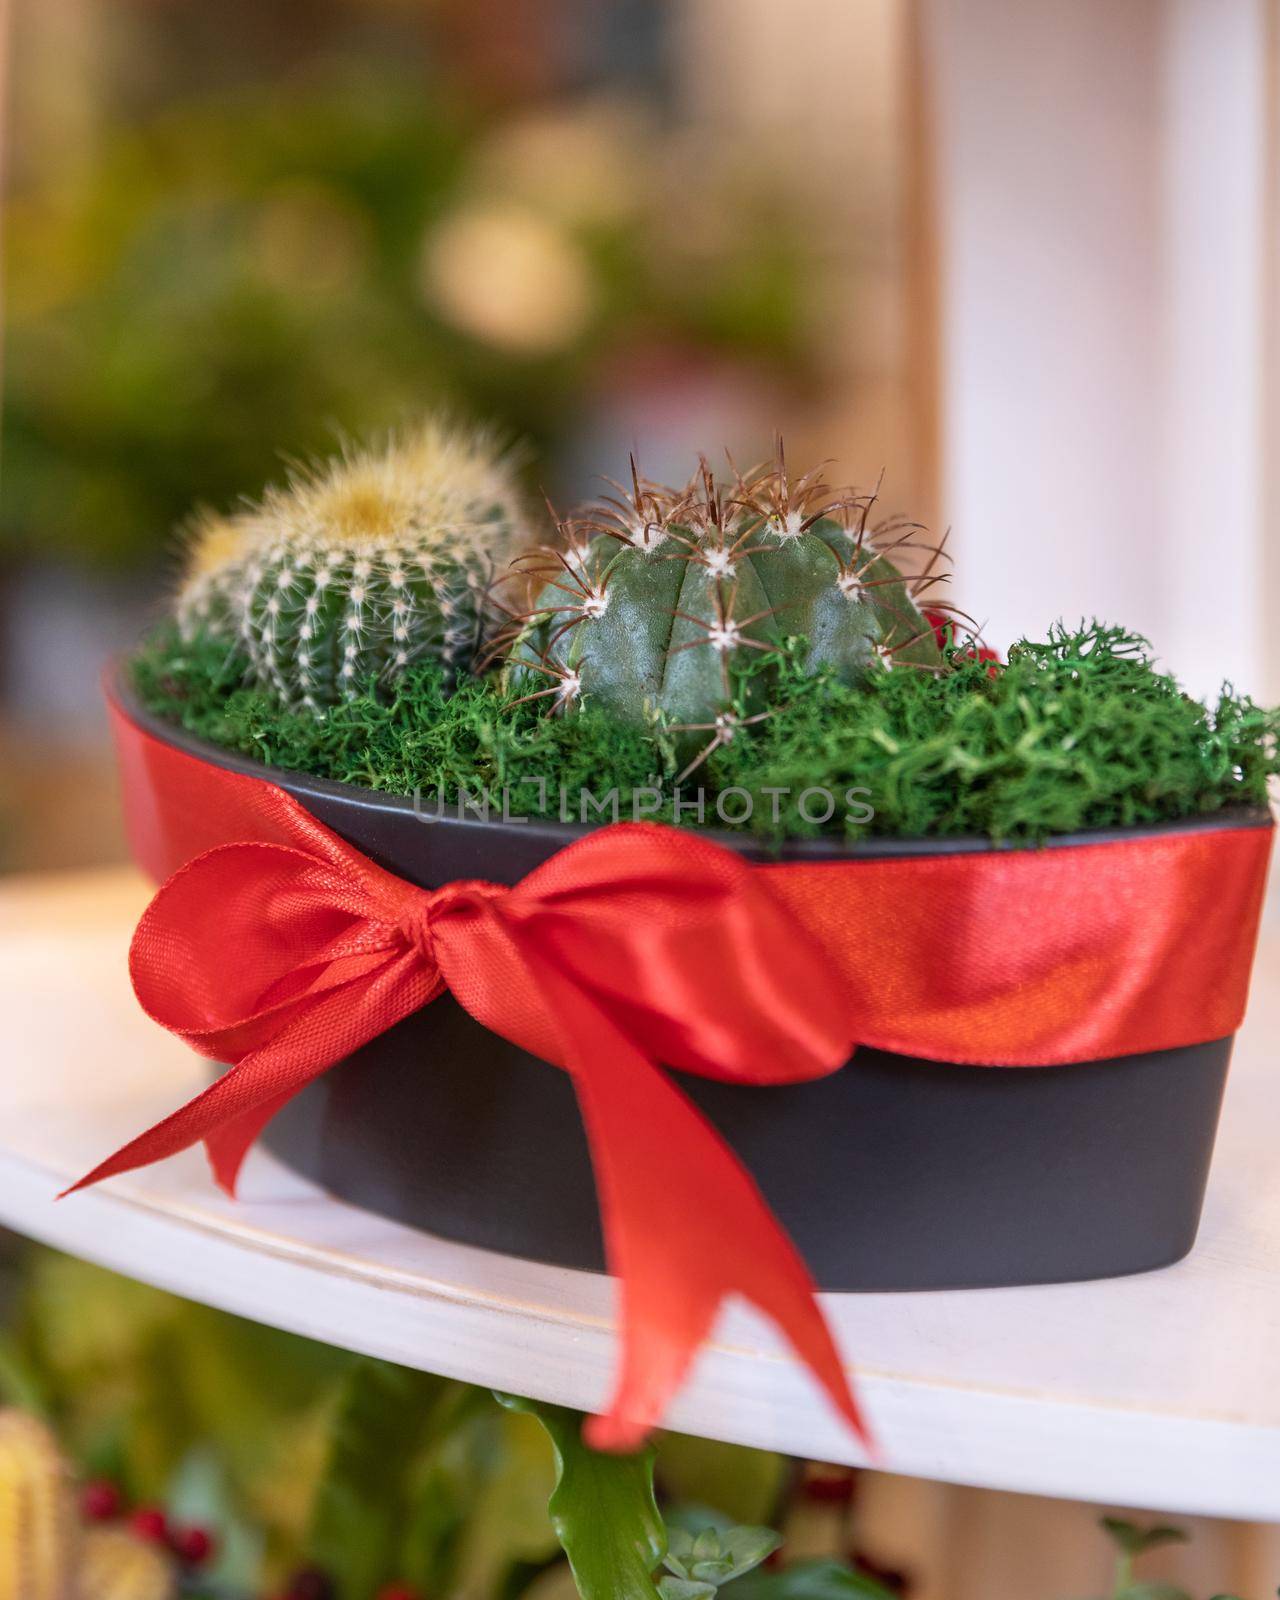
x=1161, y=1390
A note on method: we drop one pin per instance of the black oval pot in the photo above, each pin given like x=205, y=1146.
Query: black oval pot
x=893, y=1174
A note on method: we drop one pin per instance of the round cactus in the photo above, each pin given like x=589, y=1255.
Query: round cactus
x=38, y=1531
x=216, y=551
x=361, y=567
x=659, y=597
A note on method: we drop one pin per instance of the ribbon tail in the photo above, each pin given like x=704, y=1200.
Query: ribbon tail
x=231, y=1112
x=228, y=1145
x=685, y=1225
x=228, y=1116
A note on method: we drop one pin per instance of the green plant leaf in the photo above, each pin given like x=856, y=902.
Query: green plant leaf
x=442, y=1490
x=810, y=1580
x=717, y=1554
x=684, y=1589
x=747, y=1547
x=1134, y=1540
x=507, y=1474
x=359, y=1509
x=602, y=1509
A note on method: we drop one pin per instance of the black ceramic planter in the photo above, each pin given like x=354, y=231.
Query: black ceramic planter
x=893, y=1174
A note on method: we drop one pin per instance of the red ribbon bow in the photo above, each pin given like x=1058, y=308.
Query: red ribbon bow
x=634, y=946
x=641, y=944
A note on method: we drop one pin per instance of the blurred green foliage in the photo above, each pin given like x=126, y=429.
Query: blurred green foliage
x=302, y=1457
x=299, y=1454
x=247, y=275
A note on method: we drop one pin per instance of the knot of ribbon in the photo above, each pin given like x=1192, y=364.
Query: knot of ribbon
x=634, y=946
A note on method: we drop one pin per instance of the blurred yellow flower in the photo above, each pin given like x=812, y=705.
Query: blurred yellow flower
x=508, y=277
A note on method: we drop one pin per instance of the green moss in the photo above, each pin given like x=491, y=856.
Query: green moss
x=1080, y=731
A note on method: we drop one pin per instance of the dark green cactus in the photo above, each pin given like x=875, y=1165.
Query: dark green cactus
x=658, y=597
x=360, y=568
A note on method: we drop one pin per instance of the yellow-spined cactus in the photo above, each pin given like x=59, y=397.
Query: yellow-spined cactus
x=44, y=1553
x=116, y=1566
x=39, y=1547
x=361, y=566
x=216, y=549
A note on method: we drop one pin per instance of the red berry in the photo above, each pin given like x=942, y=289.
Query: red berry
x=398, y=1591
x=192, y=1546
x=150, y=1524
x=100, y=1501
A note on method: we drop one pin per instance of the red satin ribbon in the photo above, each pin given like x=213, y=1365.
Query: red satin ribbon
x=277, y=947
